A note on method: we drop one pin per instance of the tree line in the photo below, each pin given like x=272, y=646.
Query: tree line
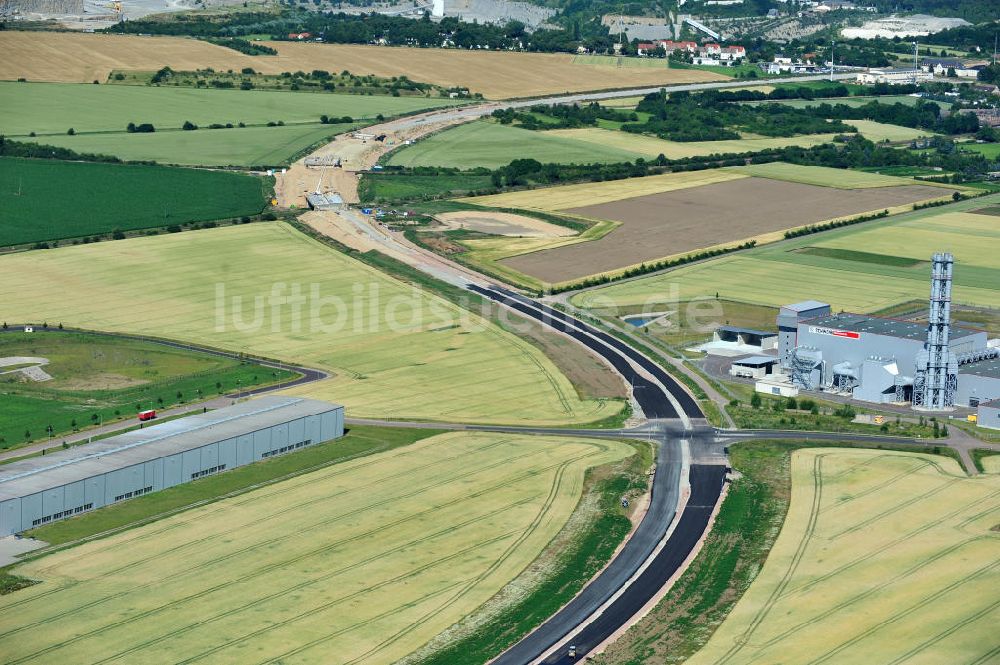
x=372, y=28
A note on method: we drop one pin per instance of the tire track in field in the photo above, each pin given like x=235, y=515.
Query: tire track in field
x=543, y=511
x=399, y=578
x=272, y=492
x=921, y=465
x=987, y=657
x=895, y=509
x=945, y=633
x=313, y=611
x=526, y=353
x=804, y=541
x=223, y=585
x=264, y=543
x=908, y=611
x=898, y=541
x=980, y=514
x=869, y=591
x=860, y=465
x=295, y=508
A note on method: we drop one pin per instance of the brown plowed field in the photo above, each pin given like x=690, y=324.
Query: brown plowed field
x=683, y=220
x=83, y=58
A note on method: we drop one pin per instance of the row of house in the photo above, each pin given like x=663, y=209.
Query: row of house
x=943, y=66
x=784, y=65
x=707, y=54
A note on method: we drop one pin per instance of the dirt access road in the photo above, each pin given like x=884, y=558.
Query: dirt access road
x=360, y=154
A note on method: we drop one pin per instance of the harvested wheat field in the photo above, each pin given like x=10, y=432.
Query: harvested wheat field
x=884, y=558
x=655, y=226
x=503, y=224
x=266, y=289
x=360, y=562
x=74, y=57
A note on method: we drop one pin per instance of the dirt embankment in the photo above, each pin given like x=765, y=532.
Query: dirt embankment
x=357, y=152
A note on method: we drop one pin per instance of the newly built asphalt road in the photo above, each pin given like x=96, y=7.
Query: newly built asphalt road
x=660, y=397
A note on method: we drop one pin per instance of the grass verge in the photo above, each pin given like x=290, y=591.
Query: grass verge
x=9, y=582
x=360, y=440
x=573, y=557
x=977, y=457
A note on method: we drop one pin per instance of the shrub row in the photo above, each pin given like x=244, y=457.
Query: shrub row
x=816, y=228
x=646, y=268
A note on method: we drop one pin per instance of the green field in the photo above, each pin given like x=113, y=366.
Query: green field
x=784, y=273
x=820, y=175
x=47, y=199
x=366, y=559
x=908, y=100
x=391, y=187
x=991, y=150
x=489, y=144
x=880, y=131
x=651, y=147
x=393, y=351
x=52, y=108
x=101, y=379
x=492, y=145
x=240, y=146
x=622, y=62
x=884, y=557
x=99, y=114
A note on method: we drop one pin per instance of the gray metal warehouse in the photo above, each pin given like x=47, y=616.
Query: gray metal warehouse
x=43, y=489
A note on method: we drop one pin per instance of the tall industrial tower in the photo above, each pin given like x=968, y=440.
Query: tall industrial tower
x=937, y=367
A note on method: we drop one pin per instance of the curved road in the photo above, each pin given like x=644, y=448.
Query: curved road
x=649, y=558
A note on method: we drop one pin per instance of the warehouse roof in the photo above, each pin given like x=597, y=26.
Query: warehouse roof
x=989, y=368
x=873, y=325
x=125, y=450
x=805, y=305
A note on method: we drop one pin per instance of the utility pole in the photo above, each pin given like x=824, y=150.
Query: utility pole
x=833, y=45
x=916, y=58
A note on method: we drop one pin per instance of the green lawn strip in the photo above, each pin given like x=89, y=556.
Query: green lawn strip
x=28, y=411
x=712, y=413
x=971, y=275
x=253, y=146
x=98, y=437
x=979, y=453
x=733, y=553
x=574, y=556
x=46, y=108
x=359, y=441
x=9, y=582
x=781, y=413
x=393, y=187
x=48, y=200
x=485, y=143
x=863, y=257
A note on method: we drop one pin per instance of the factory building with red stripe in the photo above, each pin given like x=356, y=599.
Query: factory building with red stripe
x=873, y=359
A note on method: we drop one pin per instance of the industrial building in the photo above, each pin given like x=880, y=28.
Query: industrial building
x=43, y=489
x=933, y=366
x=989, y=414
